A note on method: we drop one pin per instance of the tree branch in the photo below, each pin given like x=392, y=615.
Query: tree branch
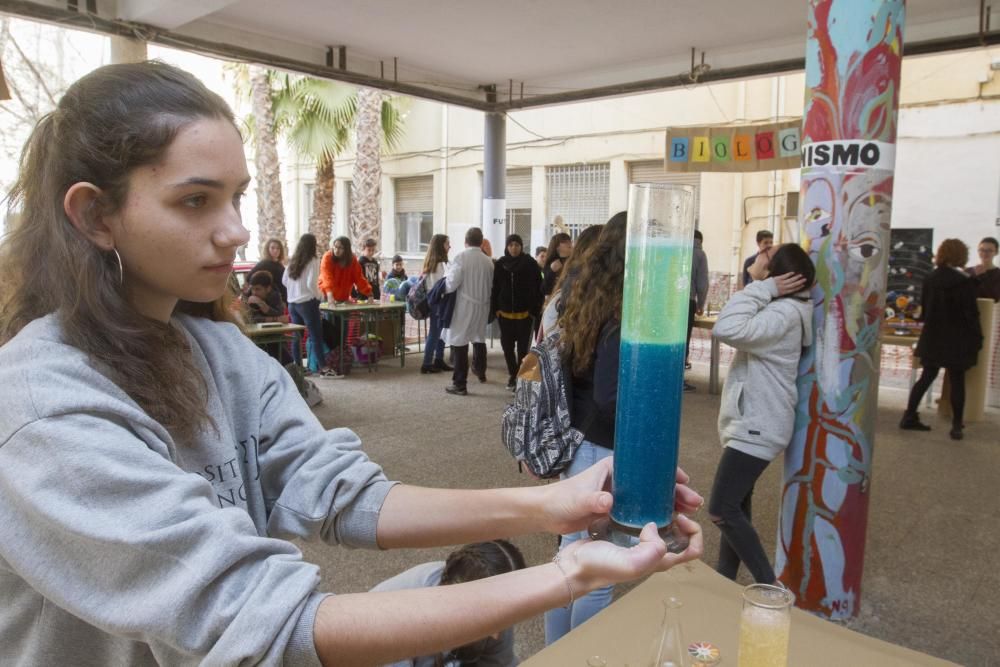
x=31, y=66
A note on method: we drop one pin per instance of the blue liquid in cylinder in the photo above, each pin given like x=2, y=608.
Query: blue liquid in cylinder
x=647, y=432
x=655, y=307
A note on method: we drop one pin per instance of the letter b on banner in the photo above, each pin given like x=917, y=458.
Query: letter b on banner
x=679, y=149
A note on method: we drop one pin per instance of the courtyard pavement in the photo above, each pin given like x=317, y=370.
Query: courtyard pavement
x=931, y=581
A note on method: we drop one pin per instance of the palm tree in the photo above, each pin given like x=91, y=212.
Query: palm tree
x=378, y=124
x=270, y=207
x=316, y=116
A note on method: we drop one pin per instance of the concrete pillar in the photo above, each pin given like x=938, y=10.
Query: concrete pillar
x=127, y=50
x=539, y=228
x=618, y=186
x=853, y=57
x=495, y=181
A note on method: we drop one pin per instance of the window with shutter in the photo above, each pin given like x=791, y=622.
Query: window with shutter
x=414, y=213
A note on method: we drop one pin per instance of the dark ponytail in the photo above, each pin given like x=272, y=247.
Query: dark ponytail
x=108, y=123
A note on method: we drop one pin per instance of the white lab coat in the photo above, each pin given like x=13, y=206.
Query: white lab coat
x=470, y=275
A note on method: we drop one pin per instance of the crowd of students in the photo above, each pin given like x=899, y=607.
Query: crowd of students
x=155, y=464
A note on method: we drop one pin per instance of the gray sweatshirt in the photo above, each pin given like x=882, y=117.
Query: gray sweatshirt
x=121, y=546
x=757, y=414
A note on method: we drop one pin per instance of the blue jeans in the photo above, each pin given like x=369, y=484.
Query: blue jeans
x=307, y=313
x=561, y=620
x=433, y=346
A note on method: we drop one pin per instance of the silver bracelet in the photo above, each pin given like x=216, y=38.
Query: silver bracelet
x=569, y=587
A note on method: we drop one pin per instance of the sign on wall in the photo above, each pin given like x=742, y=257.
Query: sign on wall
x=759, y=147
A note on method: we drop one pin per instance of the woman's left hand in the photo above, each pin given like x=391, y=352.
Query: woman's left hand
x=573, y=504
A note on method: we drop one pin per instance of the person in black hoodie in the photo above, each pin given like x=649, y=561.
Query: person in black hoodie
x=951, y=336
x=516, y=299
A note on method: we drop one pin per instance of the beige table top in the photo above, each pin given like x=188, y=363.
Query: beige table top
x=272, y=329
x=362, y=305
x=623, y=634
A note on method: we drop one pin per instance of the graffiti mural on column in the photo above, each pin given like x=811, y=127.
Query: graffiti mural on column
x=848, y=155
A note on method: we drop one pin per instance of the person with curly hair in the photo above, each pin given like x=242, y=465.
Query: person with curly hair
x=591, y=336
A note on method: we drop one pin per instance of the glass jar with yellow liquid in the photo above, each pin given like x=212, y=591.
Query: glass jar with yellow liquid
x=765, y=625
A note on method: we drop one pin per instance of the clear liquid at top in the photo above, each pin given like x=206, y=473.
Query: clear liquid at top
x=657, y=291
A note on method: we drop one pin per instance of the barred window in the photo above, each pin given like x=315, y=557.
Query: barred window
x=577, y=196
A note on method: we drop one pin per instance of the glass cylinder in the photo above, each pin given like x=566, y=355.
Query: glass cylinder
x=655, y=309
x=765, y=625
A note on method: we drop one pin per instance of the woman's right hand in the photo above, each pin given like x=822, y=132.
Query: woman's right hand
x=592, y=564
x=789, y=283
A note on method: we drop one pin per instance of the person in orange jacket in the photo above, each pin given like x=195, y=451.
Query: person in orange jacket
x=339, y=271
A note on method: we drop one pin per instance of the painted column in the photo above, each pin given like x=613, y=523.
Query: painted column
x=495, y=181
x=853, y=56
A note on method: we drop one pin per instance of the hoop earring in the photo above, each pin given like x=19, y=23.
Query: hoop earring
x=121, y=267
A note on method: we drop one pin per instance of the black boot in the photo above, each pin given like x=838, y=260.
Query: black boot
x=429, y=369
x=911, y=422
x=956, y=432
x=441, y=366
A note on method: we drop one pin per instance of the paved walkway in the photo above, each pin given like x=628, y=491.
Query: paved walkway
x=931, y=579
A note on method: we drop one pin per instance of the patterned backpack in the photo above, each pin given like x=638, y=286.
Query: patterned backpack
x=536, y=428
x=416, y=300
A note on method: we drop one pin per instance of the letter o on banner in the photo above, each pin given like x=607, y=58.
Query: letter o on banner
x=720, y=149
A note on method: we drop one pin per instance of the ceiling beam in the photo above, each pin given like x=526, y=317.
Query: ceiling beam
x=94, y=23
x=168, y=14
x=926, y=47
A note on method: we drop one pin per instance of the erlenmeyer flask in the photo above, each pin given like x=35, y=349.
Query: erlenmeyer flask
x=668, y=649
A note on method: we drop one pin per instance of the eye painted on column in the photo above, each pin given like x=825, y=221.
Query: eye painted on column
x=867, y=216
x=864, y=246
x=819, y=216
